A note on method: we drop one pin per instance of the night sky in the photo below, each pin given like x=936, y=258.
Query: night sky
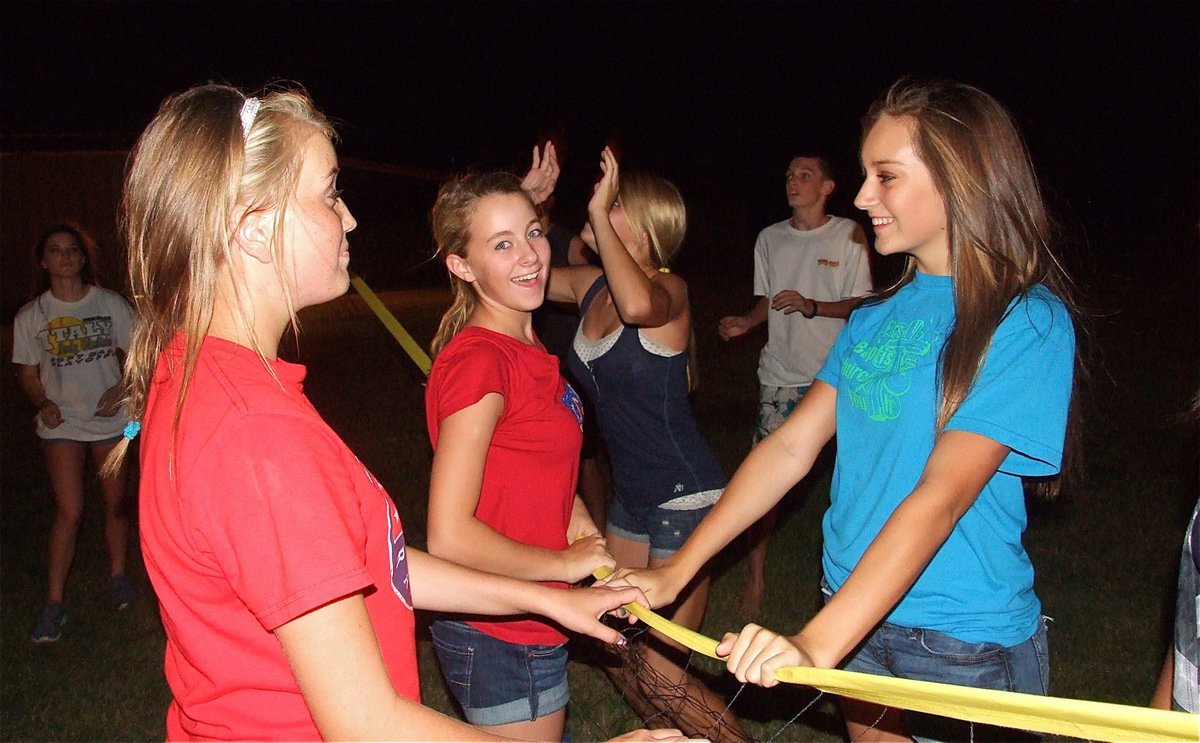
x=714, y=96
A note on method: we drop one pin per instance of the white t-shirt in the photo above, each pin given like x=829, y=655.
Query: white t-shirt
x=74, y=345
x=824, y=264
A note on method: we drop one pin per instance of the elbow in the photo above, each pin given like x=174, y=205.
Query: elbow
x=645, y=313
x=439, y=542
x=637, y=313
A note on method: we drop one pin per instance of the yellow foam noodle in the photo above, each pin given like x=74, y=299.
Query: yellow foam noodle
x=1077, y=718
x=410, y=346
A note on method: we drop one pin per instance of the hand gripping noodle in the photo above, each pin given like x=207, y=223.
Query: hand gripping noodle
x=1054, y=715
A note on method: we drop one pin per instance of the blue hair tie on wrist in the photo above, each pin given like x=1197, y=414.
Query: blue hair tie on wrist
x=132, y=428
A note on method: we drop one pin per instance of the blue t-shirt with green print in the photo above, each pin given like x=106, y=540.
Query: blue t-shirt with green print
x=884, y=365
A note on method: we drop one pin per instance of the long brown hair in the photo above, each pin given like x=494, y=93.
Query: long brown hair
x=195, y=171
x=451, y=223
x=996, y=222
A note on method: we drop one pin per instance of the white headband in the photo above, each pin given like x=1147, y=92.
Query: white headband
x=249, y=110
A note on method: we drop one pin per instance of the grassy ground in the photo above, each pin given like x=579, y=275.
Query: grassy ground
x=1105, y=555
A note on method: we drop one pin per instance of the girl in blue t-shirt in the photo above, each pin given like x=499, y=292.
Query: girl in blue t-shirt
x=946, y=390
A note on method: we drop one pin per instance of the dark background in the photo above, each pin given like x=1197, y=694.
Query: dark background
x=715, y=96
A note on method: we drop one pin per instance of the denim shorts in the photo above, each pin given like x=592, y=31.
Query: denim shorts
x=497, y=682
x=929, y=655
x=665, y=529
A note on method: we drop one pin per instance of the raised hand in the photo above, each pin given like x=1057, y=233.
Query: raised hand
x=755, y=653
x=543, y=173
x=607, y=189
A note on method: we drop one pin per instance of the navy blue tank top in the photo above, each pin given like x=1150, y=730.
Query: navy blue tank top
x=640, y=393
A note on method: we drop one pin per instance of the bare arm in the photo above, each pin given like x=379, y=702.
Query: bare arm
x=735, y=325
x=454, y=487
x=577, y=252
x=789, y=301
x=31, y=384
x=581, y=524
x=771, y=469
x=1164, y=689
x=959, y=466
x=440, y=585
x=570, y=283
x=638, y=300
x=336, y=659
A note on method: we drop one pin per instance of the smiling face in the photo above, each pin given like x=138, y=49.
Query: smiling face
x=62, y=256
x=508, y=256
x=316, y=225
x=898, y=193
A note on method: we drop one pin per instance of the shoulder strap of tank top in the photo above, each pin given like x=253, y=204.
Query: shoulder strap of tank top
x=600, y=282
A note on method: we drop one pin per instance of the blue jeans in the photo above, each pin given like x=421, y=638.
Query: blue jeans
x=497, y=682
x=928, y=655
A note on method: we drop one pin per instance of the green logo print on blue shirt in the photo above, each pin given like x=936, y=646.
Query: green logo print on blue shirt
x=880, y=368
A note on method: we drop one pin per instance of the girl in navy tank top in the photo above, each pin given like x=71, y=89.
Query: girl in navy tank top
x=631, y=357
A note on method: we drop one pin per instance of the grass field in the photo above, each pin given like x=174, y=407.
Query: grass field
x=1106, y=554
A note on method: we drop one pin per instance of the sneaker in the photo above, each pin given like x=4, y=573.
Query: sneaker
x=49, y=625
x=120, y=592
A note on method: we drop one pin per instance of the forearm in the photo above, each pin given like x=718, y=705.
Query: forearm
x=638, y=300
x=335, y=657
x=757, y=314
x=766, y=475
x=469, y=541
x=957, y=470
x=581, y=524
x=840, y=309
x=31, y=385
x=1164, y=690
x=440, y=585
x=893, y=562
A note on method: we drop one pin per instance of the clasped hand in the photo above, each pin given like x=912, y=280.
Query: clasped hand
x=756, y=653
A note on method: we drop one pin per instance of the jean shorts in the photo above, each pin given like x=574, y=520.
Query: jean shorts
x=665, y=529
x=929, y=655
x=497, y=682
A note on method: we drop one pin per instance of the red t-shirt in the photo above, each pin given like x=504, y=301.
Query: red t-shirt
x=256, y=514
x=533, y=460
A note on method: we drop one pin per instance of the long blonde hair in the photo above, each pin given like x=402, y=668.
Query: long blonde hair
x=996, y=221
x=654, y=208
x=194, y=173
x=451, y=224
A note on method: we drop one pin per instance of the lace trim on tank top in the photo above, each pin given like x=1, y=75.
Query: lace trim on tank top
x=589, y=350
x=693, y=501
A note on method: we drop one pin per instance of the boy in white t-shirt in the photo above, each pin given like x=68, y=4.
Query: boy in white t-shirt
x=810, y=271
